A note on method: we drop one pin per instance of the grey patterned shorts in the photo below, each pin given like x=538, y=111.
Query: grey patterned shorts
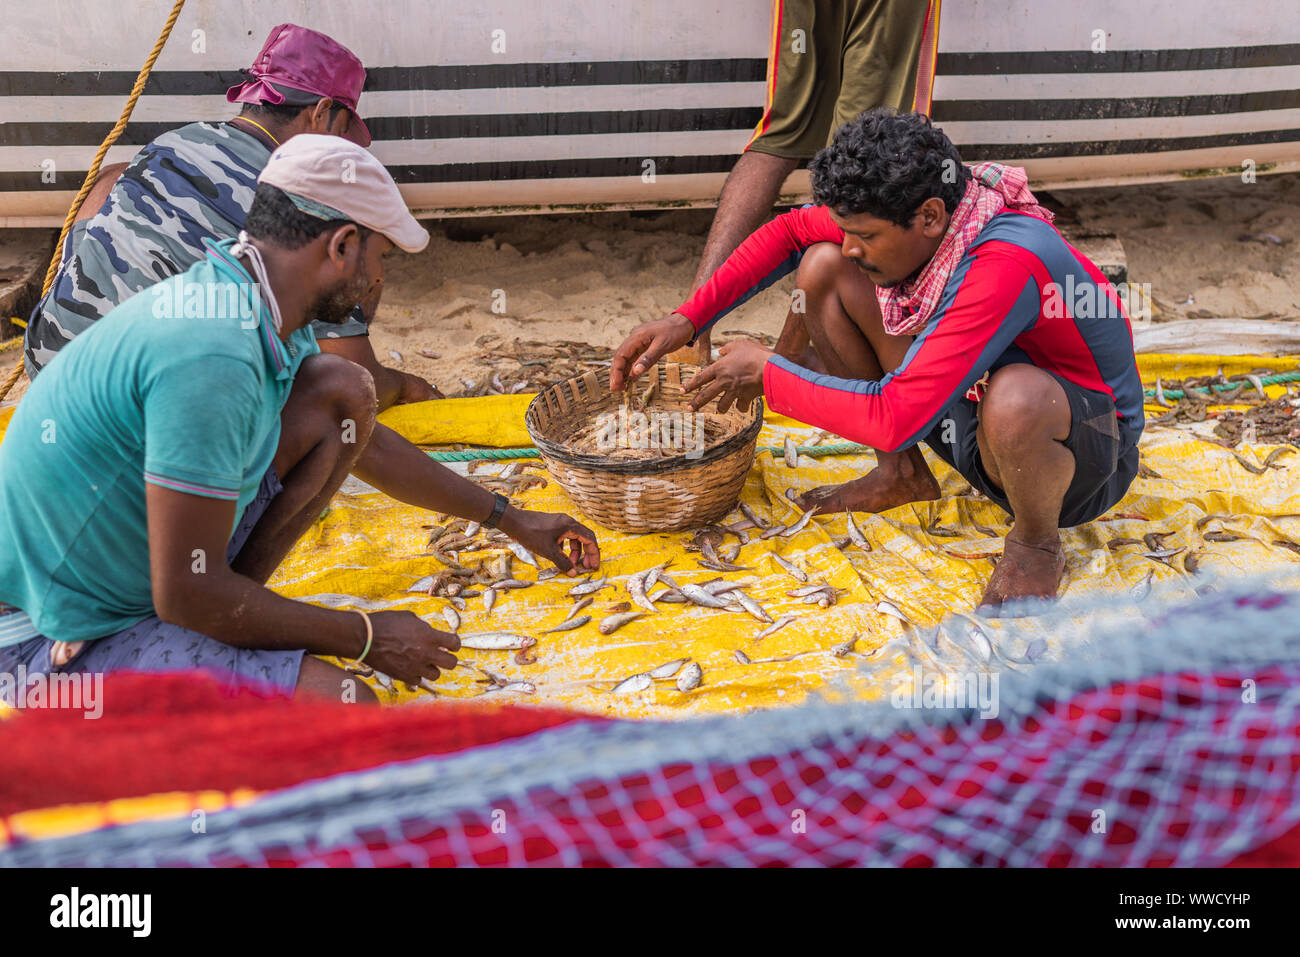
x=1103, y=468
x=155, y=645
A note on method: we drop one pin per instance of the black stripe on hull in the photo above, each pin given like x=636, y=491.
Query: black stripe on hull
x=397, y=78
x=622, y=72
x=1022, y=110
x=1116, y=61
x=388, y=128
x=981, y=152
x=632, y=166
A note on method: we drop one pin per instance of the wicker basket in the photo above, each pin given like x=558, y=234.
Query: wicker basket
x=668, y=494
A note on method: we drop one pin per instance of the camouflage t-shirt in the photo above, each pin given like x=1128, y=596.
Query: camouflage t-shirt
x=190, y=184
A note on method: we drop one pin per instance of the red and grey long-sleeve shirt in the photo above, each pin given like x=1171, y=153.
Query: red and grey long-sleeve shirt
x=1020, y=294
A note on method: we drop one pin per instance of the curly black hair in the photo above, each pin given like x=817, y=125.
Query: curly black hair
x=887, y=164
x=273, y=216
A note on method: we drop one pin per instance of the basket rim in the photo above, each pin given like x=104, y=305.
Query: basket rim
x=552, y=449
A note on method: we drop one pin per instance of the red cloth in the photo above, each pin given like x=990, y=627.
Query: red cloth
x=932, y=790
x=992, y=188
x=178, y=732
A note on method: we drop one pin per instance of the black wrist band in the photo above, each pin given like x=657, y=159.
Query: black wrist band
x=498, y=509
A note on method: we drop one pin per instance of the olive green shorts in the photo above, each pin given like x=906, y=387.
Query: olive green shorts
x=832, y=59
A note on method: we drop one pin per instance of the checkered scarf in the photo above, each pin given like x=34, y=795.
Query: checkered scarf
x=992, y=188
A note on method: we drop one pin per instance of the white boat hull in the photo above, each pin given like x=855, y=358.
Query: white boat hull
x=588, y=104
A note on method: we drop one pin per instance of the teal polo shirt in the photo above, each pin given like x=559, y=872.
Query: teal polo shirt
x=180, y=386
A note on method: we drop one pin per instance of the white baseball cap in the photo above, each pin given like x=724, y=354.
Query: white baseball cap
x=330, y=177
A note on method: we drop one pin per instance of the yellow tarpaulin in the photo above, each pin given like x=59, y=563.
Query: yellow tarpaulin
x=367, y=550
x=371, y=547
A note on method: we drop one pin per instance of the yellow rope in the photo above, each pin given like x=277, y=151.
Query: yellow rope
x=93, y=173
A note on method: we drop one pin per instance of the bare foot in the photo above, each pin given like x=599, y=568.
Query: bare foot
x=61, y=652
x=883, y=488
x=1024, y=571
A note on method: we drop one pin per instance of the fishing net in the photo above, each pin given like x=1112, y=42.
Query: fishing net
x=1169, y=735
x=1148, y=719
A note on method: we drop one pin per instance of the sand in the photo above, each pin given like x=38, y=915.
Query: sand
x=593, y=277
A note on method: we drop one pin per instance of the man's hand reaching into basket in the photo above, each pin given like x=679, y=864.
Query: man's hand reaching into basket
x=646, y=345
x=547, y=534
x=735, y=379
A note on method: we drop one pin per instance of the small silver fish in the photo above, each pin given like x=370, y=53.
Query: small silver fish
x=775, y=626
x=886, y=607
x=385, y=682
x=636, y=587
x=750, y=514
x=713, y=558
x=1142, y=588
x=699, y=596
x=546, y=574
x=856, y=536
x=807, y=590
x=427, y=685
x=743, y=658
x=690, y=677
x=523, y=554
x=731, y=552
x=489, y=599
x=588, y=587
x=633, y=684
x=472, y=529
x=1163, y=553
x=754, y=608
x=569, y=625
x=791, y=454
x=513, y=687
x=496, y=641
x=799, y=526
x=614, y=622
x=981, y=642
x=842, y=650
x=1160, y=395
x=509, y=583
x=577, y=607
x=452, y=619
x=423, y=584
x=668, y=669
x=791, y=569
x=722, y=587
x=457, y=602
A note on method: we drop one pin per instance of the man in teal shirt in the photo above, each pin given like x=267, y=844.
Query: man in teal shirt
x=203, y=405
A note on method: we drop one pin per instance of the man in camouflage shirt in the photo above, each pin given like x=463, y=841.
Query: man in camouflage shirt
x=197, y=182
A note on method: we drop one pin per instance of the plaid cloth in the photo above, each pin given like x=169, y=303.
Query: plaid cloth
x=991, y=189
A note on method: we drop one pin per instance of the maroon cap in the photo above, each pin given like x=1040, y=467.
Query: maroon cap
x=296, y=58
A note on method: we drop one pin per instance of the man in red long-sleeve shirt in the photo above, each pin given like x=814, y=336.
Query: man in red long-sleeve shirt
x=941, y=306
